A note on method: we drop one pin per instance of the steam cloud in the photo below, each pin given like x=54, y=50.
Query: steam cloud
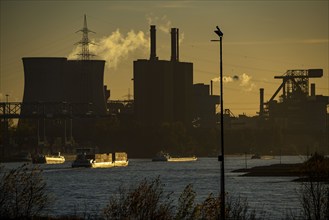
x=163, y=24
x=115, y=47
x=244, y=81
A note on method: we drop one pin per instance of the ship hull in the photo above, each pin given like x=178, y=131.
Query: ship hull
x=181, y=159
x=54, y=160
x=165, y=157
x=48, y=159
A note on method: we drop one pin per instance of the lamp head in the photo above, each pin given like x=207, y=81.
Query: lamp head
x=218, y=32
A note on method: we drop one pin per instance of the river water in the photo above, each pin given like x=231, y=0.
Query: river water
x=83, y=190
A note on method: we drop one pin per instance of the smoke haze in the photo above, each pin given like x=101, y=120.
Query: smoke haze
x=163, y=24
x=115, y=47
x=244, y=81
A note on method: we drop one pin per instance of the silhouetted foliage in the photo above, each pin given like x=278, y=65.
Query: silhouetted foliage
x=148, y=201
x=185, y=208
x=315, y=189
x=22, y=193
x=239, y=209
x=208, y=209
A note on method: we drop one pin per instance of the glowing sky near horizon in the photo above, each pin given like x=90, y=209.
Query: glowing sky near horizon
x=262, y=39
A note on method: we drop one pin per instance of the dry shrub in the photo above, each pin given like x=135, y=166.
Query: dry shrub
x=22, y=193
x=314, y=191
x=147, y=201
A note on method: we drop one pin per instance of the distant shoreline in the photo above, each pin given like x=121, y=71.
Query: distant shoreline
x=272, y=170
x=275, y=170
x=279, y=170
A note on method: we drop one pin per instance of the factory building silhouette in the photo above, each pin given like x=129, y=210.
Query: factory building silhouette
x=164, y=92
x=295, y=123
x=163, y=89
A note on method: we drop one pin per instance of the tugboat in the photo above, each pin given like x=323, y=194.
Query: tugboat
x=161, y=156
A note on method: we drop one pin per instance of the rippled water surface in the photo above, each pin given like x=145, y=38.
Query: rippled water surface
x=78, y=190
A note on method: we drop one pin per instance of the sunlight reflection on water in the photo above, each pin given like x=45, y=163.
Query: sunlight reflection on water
x=81, y=189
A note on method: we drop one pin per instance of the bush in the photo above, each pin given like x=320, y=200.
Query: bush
x=208, y=209
x=186, y=208
x=148, y=201
x=22, y=193
x=314, y=192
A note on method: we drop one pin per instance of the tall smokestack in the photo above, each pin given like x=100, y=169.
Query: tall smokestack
x=211, y=87
x=261, y=102
x=153, y=55
x=312, y=89
x=177, y=44
x=173, y=44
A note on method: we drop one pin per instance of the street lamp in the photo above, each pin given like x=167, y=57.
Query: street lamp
x=221, y=157
x=7, y=98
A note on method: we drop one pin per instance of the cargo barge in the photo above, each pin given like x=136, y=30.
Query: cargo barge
x=48, y=159
x=87, y=158
x=165, y=157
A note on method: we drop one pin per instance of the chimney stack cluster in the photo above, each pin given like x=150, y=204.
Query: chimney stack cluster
x=174, y=44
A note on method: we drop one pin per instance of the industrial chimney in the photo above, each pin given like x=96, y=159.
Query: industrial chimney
x=177, y=44
x=211, y=87
x=153, y=55
x=174, y=44
x=312, y=89
x=261, y=102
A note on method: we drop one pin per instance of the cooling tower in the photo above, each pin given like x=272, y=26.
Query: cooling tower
x=43, y=79
x=51, y=84
x=84, y=83
x=55, y=80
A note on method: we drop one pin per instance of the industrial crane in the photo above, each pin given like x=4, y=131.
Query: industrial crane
x=295, y=83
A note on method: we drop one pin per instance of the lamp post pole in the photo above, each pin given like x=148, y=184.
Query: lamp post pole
x=221, y=157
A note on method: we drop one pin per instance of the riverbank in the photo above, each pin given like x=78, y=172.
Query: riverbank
x=316, y=168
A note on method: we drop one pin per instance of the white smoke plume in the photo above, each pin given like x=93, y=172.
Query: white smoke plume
x=181, y=37
x=163, y=24
x=115, y=47
x=226, y=79
x=244, y=81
